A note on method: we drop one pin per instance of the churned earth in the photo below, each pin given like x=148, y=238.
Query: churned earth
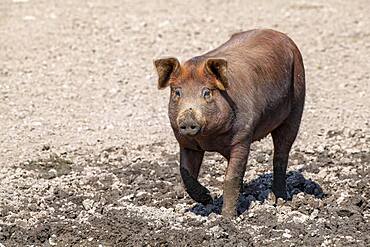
x=87, y=156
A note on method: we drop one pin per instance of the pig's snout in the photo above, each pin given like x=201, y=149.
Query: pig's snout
x=188, y=123
x=189, y=127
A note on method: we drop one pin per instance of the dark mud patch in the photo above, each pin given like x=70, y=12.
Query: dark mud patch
x=54, y=166
x=115, y=202
x=15, y=236
x=121, y=228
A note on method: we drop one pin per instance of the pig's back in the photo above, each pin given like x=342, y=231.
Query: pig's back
x=260, y=53
x=259, y=61
x=253, y=43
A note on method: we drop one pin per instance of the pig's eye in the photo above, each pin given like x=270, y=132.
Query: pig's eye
x=177, y=92
x=206, y=93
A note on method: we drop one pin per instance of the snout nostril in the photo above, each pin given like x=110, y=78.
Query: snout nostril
x=183, y=127
x=193, y=127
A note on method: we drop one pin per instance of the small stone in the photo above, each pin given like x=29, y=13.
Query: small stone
x=52, y=173
x=88, y=204
x=52, y=240
x=141, y=193
x=179, y=191
x=21, y=223
x=309, y=150
x=240, y=218
x=301, y=218
x=139, y=179
x=261, y=158
x=314, y=214
x=322, y=173
x=128, y=197
x=280, y=202
x=320, y=149
x=215, y=229
x=179, y=208
x=180, y=219
x=287, y=234
x=212, y=216
x=253, y=204
x=335, y=148
x=218, y=232
x=212, y=162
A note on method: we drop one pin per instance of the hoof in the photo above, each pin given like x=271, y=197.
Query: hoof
x=205, y=199
x=280, y=193
x=229, y=213
x=275, y=200
x=271, y=198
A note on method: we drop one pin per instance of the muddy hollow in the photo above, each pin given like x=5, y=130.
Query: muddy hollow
x=87, y=154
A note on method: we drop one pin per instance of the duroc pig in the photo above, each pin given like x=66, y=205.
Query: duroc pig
x=222, y=101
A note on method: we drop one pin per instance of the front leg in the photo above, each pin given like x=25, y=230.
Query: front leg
x=234, y=179
x=190, y=162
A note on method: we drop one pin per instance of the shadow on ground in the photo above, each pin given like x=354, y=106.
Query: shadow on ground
x=258, y=190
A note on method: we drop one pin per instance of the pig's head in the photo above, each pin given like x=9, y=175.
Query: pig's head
x=198, y=106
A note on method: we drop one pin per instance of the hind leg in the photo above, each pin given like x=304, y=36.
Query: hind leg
x=283, y=138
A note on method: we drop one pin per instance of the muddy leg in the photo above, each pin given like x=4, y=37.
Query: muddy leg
x=234, y=179
x=190, y=162
x=283, y=138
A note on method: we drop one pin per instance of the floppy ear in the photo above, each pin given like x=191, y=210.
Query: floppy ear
x=165, y=68
x=218, y=67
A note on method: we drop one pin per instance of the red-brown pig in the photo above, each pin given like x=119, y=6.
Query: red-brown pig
x=222, y=101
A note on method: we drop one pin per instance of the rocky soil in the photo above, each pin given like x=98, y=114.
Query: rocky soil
x=87, y=157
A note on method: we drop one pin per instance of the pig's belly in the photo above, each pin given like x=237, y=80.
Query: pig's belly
x=271, y=119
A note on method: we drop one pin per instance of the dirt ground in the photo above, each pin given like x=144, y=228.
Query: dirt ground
x=87, y=156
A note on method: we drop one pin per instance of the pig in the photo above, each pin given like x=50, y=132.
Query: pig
x=251, y=86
